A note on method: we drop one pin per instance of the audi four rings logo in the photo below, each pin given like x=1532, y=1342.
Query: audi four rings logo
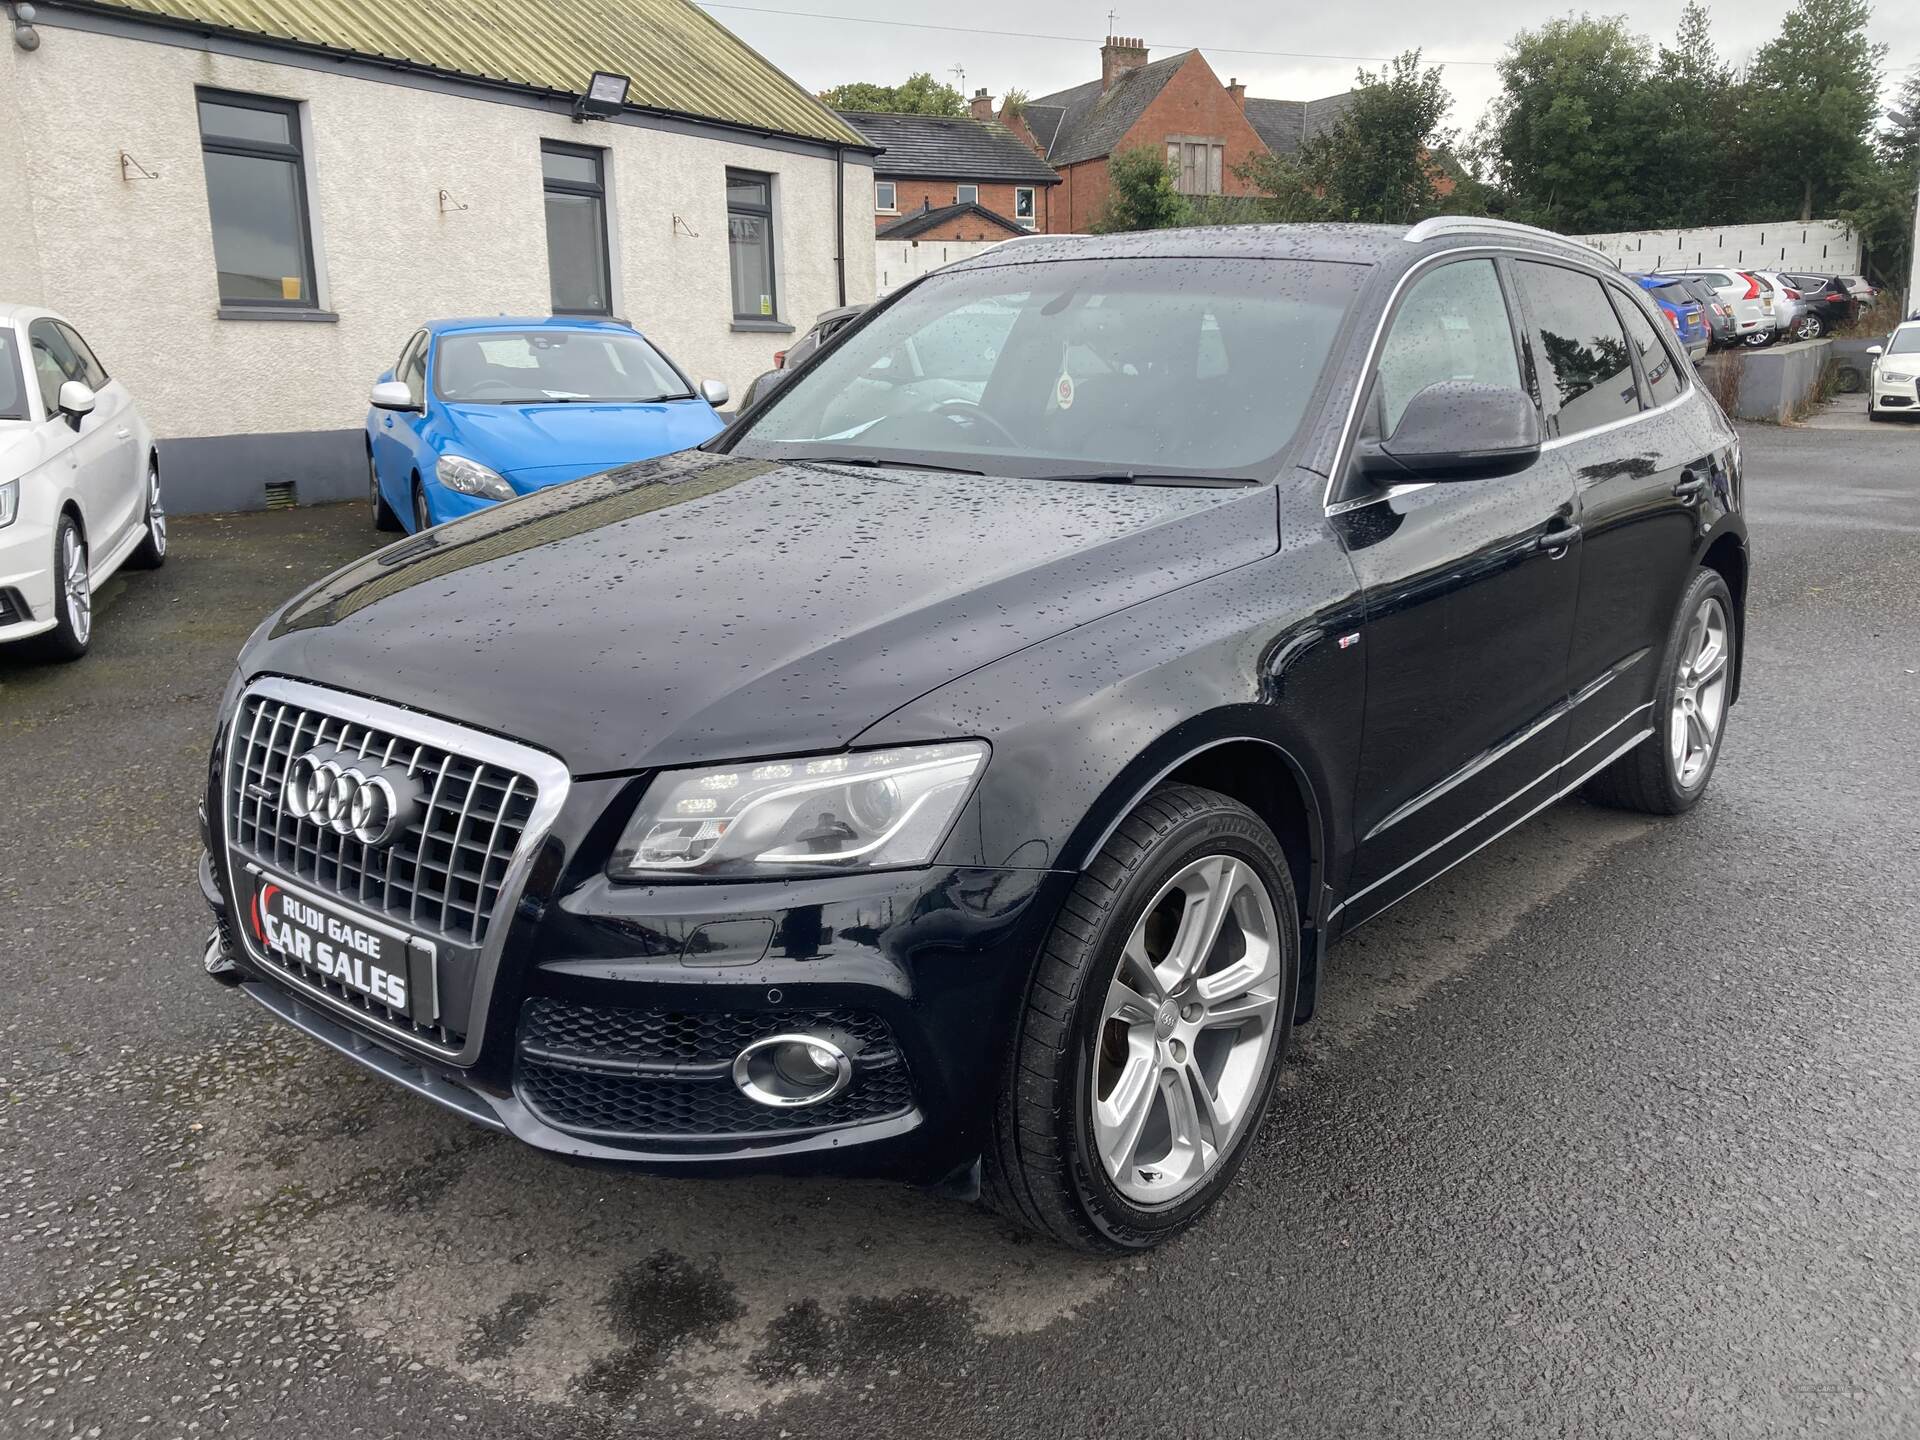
x=371, y=803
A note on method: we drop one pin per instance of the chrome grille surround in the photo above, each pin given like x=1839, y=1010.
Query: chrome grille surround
x=452, y=877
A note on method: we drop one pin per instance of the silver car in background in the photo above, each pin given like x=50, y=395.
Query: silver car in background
x=1751, y=302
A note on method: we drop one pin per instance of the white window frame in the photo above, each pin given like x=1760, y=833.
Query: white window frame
x=962, y=197
x=892, y=207
x=1032, y=217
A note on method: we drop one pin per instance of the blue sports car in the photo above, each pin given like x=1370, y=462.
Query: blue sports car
x=479, y=411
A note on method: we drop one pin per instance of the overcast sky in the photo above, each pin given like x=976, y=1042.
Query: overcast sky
x=819, y=52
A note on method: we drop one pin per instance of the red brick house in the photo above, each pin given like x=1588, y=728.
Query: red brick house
x=1209, y=130
x=962, y=178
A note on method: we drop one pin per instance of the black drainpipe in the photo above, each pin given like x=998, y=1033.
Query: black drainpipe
x=840, y=218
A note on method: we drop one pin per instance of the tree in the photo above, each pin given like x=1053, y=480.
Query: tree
x=1878, y=205
x=1695, y=166
x=1565, y=138
x=1815, y=89
x=1375, y=163
x=1140, y=193
x=921, y=94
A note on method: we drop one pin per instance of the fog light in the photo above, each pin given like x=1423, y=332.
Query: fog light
x=788, y=1071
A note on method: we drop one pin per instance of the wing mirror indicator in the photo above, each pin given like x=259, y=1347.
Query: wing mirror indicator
x=1457, y=430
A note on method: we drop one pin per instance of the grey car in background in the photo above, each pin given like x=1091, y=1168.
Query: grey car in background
x=785, y=362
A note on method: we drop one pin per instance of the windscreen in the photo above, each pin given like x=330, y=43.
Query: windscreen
x=1904, y=341
x=1168, y=366
x=1674, y=293
x=528, y=367
x=13, y=385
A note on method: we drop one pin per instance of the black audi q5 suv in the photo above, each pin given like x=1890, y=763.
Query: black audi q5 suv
x=958, y=769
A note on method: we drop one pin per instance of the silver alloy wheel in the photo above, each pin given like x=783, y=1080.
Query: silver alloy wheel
x=1808, y=327
x=1699, y=694
x=79, y=588
x=1188, y=1023
x=373, y=487
x=156, y=512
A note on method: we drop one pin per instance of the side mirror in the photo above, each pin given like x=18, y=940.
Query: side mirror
x=715, y=392
x=392, y=395
x=1876, y=349
x=1457, y=430
x=76, y=401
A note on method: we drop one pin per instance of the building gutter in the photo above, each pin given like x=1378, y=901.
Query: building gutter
x=840, y=220
x=167, y=29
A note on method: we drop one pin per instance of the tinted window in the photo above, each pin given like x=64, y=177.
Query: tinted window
x=1579, y=347
x=1674, y=294
x=1662, y=371
x=91, y=370
x=13, y=385
x=750, y=245
x=522, y=367
x=1452, y=326
x=1204, y=366
x=1717, y=278
x=256, y=196
x=413, y=368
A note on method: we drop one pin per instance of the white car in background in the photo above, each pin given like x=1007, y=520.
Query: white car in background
x=79, y=483
x=1894, y=386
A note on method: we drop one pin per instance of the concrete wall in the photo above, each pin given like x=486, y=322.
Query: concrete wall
x=130, y=261
x=1825, y=246
x=898, y=261
x=1776, y=382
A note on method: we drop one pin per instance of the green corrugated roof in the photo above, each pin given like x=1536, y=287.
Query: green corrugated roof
x=680, y=58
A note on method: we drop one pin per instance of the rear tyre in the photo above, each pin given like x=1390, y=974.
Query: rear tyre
x=1759, y=339
x=383, y=516
x=1153, y=1029
x=72, y=598
x=152, y=553
x=1667, y=773
x=1809, y=327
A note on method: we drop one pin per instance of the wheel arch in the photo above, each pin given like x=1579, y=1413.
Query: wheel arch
x=1261, y=773
x=1727, y=556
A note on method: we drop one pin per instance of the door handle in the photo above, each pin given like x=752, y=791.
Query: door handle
x=122, y=433
x=1556, y=540
x=1690, y=487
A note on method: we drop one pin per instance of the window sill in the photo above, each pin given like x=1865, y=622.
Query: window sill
x=768, y=327
x=274, y=312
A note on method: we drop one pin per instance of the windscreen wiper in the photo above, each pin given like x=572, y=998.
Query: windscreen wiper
x=870, y=463
x=1151, y=477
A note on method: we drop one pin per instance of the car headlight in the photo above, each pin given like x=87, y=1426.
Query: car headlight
x=9, y=501
x=1896, y=377
x=874, y=810
x=470, y=477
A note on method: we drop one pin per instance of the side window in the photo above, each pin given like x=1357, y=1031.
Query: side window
x=1580, y=348
x=54, y=362
x=413, y=369
x=91, y=370
x=1656, y=361
x=257, y=196
x=1453, y=325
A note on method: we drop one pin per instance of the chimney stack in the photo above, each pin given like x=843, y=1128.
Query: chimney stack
x=1237, y=92
x=1119, y=58
x=981, y=106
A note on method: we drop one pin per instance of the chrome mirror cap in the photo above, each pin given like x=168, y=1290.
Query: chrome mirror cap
x=392, y=395
x=715, y=392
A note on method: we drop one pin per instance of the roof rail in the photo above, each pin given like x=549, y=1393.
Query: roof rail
x=1463, y=224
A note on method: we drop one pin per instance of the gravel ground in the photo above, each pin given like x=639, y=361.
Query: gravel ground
x=1614, y=1131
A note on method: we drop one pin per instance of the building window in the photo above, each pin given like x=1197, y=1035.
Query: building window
x=1196, y=166
x=966, y=194
x=576, y=193
x=257, y=197
x=750, y=244
x=885, y=199
x=1023, y=205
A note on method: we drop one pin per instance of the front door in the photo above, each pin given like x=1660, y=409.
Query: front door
x=395, y=431
x=1471, y=588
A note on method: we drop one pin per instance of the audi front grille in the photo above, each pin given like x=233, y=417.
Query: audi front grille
x=445, y=875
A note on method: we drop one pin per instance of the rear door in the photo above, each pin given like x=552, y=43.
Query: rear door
x=1626, y=430
x=1471, y=590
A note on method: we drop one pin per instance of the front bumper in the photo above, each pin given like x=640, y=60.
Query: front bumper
x=26, y=579
x=928, y=967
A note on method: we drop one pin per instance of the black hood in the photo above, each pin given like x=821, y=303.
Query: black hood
x=703, y=607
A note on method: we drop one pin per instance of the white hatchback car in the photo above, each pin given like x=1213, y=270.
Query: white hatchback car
x=79, y=483
x=1894, y=387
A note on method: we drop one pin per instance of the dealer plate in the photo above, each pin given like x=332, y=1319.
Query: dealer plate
x=319, y=941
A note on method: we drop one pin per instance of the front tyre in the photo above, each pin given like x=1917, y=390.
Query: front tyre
x=383, y=516
x=422, y=517
x=1152, y=1031
x=1668, y=773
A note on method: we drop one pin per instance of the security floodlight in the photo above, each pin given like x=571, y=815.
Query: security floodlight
x=606, y=95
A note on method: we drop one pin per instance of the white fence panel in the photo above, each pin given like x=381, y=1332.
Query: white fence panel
x=1820, y=245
